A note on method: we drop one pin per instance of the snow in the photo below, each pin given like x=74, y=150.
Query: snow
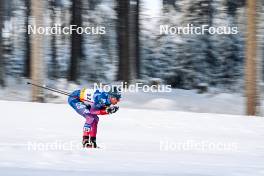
x=187, y=100
x=133, y=142
x=178, y=99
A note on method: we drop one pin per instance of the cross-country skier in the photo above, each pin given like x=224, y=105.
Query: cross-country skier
x=90, y=104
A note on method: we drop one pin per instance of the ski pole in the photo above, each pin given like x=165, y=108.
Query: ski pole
x=55, y=90
x=50, y=89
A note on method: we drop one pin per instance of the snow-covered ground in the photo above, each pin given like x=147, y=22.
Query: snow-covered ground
x=44, y=139
x=187, y=100
x=181, y=100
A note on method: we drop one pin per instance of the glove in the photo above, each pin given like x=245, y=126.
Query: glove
x=112, y=109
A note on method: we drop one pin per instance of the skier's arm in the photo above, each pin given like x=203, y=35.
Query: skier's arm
x=98, y=111
x=104, y=111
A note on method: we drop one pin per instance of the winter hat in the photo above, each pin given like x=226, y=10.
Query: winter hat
x=115, y=93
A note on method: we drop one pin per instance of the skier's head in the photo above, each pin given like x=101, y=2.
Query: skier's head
x=114, y=95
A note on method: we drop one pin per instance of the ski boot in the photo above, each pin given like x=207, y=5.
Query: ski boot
x=89, y=142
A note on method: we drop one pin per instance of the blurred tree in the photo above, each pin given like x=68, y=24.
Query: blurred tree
x=123, y=40
x=37, y=73
x=96, y=65
x=228, y=51
x=2, y=75
x=197, y=57
x=169, y=66
x=251, y=54
x=27, y=41
x=229, y=61
x=76, y=41
x=199, y=12
x=232, y=6
x=14, y=39
x=8, y=40
x=93, y=3
x=134, y=45
x=168, y=3
x=54, y=71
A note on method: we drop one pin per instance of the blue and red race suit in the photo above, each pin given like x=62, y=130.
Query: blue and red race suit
x=89, y=110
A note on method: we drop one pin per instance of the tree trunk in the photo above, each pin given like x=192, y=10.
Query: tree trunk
x=123, y=40
x=36, y=52
x=251, y=54
x=27, y=63
x=134, y=49
x=54, y=62
x=76, y=42
x=2, y=80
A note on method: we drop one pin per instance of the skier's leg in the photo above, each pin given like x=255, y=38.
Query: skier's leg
x=93, y=132
x=86, y=135
x=94, y=127
x=89, y=131
x=83, y=110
